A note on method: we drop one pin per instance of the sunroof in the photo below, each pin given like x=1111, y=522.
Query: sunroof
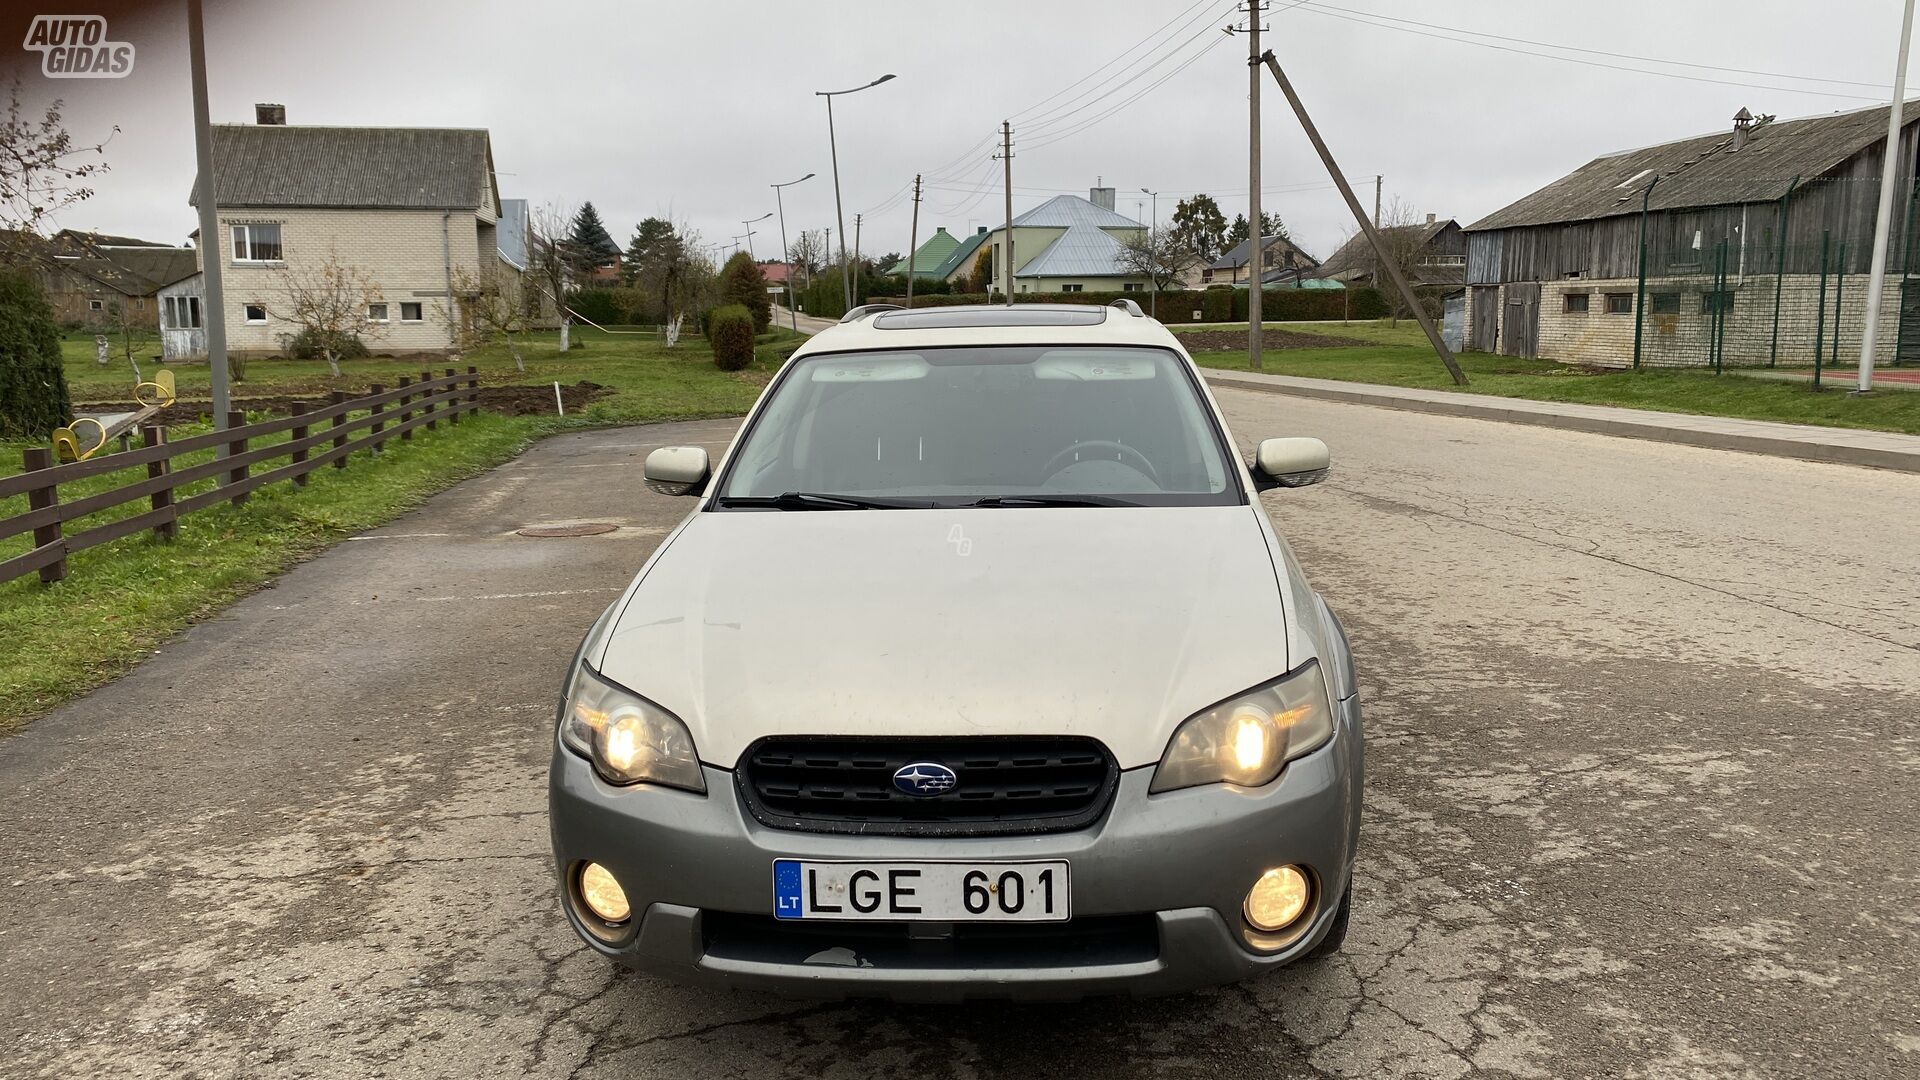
x=953, y=318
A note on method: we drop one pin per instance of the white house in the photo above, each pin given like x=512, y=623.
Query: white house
x=1068, y=244
x=413, y=211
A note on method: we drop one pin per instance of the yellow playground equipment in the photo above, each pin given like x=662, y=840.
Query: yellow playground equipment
x=88, y=435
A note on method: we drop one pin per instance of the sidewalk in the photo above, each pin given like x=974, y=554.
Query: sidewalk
x=1847, y=446
x=806, y=324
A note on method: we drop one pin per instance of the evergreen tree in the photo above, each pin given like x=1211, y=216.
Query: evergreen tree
x=1199, y=225
x=743, y=282
x=589, y=233
x=33, y=384
x=650, y=241
x=1270, y=222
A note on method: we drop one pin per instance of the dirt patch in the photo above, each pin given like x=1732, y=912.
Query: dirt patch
x=1233, y=340
x=506, y=400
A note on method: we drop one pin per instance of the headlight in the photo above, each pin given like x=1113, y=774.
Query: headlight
x=629, y=739
x=1247, y=740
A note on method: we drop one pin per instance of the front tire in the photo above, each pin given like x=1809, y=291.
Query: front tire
x=1337, y=933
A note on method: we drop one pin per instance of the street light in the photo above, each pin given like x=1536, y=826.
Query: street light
x=750, y=225
x=1153, y=252
x=846, y=274
x=793, y=311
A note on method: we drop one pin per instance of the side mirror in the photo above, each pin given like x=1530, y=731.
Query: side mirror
x=1290, y=463
x=677, y=470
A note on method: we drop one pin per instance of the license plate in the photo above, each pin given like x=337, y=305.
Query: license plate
x=922, y=891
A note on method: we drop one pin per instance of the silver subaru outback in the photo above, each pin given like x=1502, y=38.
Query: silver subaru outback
x=977, y=670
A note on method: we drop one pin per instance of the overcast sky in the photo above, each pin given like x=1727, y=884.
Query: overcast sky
x=691, y=110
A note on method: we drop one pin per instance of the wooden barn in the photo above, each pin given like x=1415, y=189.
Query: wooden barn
x=1746, y=246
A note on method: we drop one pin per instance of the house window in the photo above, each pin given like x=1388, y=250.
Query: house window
x=256, y=314
x=1712, y=301
x=96, y=305
x=1071, y=288
x=256, y=243
x=181, y=312
x=139, y=303
x=1576, y=303
x=410, y=312
x=1132, y=286
x=1664, y=303
x=1619, y=303
x=377, y=313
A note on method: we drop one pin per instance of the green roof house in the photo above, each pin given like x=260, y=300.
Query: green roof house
x=928, y=257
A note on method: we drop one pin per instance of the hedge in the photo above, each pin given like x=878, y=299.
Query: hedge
x=1213, y=305
x=33, y=382
x=730, y=333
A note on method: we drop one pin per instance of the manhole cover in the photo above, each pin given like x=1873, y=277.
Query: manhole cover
x=589, y=528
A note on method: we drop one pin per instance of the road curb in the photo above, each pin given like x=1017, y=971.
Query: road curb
x=1655, y=427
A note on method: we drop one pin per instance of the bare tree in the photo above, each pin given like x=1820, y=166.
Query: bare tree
x=1158, y=255
x=493, y=308
x=330, y=302
x=808, y=251
x=42, y=169
x=557, y=263
x=1403, y=239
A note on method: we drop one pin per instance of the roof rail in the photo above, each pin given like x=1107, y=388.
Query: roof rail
x=865, y=310
x=1129, y=307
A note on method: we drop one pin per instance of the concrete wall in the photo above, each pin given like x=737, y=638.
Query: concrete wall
x=404, y=252
x=1683, y=338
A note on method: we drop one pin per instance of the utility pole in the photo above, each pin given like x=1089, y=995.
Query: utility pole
x=913, y=238
x=1360, y=216
x=1376, y=200
x=1256, y=234
x=1877, y=278
x=793, y=305
x=856, y=256
x=1006, y=160
x=1154, y=241
x=211, y=248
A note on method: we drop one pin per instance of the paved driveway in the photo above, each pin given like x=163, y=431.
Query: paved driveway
x=1641, y=798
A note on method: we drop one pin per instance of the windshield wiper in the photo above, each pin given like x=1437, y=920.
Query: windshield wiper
x=814, y=500
x=1053, y=500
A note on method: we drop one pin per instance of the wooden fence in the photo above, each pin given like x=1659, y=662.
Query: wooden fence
x=322, y=435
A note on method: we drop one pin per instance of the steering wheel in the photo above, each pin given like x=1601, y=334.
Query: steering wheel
x=1121, y=451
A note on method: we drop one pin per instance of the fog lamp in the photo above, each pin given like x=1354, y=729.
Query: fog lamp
x=602, y=894
x=1277, y=899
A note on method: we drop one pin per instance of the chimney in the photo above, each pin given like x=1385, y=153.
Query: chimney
x=270, y=115
x=1429, y=219
x=977, y=231
x=1101, y=197
x=1742, y=125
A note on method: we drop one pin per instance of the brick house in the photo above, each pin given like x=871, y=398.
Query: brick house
x=413, y=209
x=1750, y=246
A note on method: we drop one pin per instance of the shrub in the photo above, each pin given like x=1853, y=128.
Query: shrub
x=33, y=385
x=311, y=344
x=730, y=333
x=1216, y=305
x=597, y=305
x=742, y=282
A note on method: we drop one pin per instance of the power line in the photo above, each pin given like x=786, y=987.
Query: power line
x=1116, y=59
x=1060, y=136
x=1140, y=72
x=1614, y=55
x=1368, y=19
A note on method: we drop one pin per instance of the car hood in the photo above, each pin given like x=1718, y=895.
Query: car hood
x=1114, y=623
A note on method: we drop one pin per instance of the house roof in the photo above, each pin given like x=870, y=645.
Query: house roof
x=409, y=168
x=1703, y=170
x=1237, y=257
x=1081, y=251
x=961, y=256
x=928, y=256
x=1066, y=211
x=1357, y=253
x=135, y=269
x=107, y=239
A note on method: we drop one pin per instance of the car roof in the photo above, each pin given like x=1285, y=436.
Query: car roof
x=1019, y=324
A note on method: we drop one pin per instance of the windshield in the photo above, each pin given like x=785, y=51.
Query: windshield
x=998, y=425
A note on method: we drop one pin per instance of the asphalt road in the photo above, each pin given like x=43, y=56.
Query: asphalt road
x=1641, y=798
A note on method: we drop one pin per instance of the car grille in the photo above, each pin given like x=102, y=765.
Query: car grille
x=1010, y=784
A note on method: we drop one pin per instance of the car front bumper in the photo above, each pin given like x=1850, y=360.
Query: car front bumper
x=1157, y=887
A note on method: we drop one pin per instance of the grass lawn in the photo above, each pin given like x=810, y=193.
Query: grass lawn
x=121, y=600
x=1400, y=356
